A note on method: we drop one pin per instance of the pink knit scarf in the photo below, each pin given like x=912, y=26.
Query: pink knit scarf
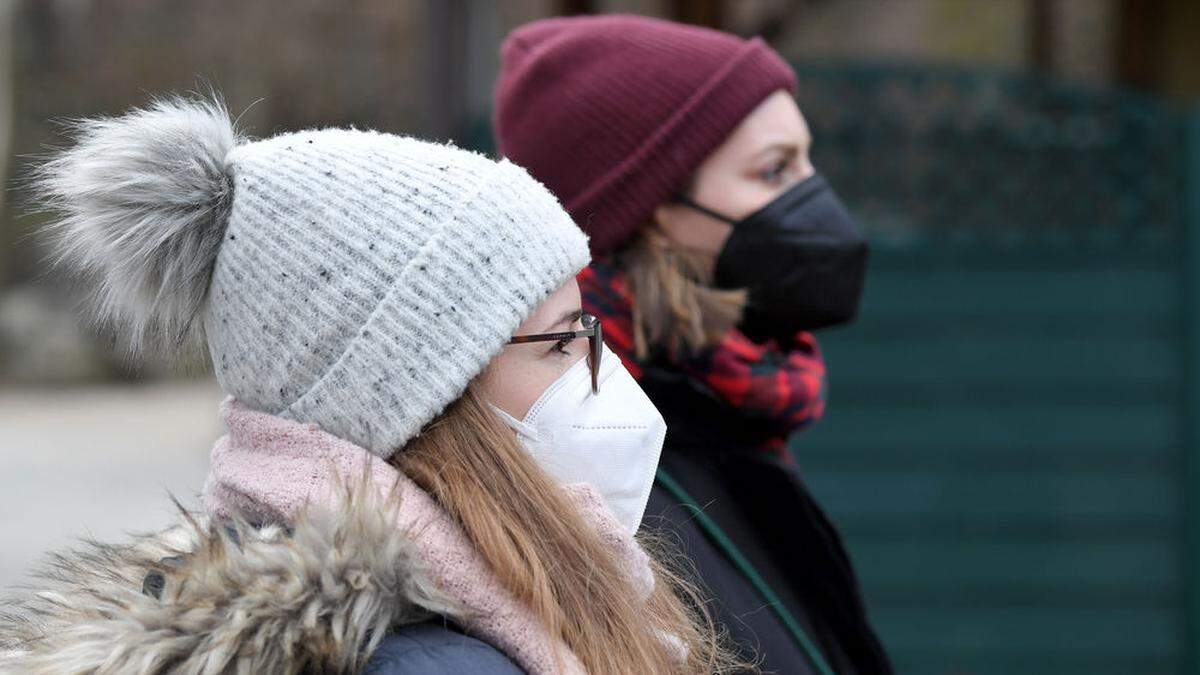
x=274, y=467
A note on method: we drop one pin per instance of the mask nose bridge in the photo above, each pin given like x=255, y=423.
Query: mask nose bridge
x=610, y=364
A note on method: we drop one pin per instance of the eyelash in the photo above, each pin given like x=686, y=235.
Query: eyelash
x=776, y=171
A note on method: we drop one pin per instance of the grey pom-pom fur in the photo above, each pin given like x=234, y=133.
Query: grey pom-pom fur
x=142, y=202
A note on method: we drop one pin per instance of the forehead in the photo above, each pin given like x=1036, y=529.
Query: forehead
x=777, y=120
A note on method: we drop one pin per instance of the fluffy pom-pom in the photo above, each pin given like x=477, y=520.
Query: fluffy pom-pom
x=142, y=202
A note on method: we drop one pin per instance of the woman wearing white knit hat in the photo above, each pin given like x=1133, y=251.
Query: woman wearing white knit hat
x=384, y=313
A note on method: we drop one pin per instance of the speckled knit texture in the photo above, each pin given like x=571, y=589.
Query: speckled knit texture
x=271, y=468
x=365, y=278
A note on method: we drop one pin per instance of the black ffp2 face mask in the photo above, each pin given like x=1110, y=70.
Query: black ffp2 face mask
x=801, y=258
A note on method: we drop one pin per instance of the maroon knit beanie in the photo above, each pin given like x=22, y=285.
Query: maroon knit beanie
x=614, y=113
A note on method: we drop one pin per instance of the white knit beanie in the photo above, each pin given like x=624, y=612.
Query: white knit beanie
x=353, y=279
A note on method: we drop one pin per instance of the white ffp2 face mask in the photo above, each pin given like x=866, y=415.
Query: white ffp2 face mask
x=611, y=440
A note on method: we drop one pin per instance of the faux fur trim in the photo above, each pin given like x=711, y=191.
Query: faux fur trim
x=205, y=597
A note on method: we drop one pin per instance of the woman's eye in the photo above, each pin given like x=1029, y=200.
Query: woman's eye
x=776, y=172
x=561, y=346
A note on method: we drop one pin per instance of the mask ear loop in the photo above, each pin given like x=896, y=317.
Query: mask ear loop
x=684, y=200
x=519, y=426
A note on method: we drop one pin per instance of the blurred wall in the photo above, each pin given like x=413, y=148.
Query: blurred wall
x=1009, y=435
x=426, y=67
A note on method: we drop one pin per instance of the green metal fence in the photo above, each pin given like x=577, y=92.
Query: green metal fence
x=1009, y=442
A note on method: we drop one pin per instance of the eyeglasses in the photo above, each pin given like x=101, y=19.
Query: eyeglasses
x=591, y=331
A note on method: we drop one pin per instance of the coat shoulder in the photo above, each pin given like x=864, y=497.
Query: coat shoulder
x=433, y=648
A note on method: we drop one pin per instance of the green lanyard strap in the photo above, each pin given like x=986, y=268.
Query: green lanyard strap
x=718, y=537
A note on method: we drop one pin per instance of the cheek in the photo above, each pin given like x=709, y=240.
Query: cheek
x=697, y=232
x=514, y=382
x=735, y=196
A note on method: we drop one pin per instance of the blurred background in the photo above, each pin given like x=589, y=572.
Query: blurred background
x=1012, y=445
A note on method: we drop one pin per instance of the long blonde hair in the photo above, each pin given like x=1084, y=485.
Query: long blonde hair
x=675, y=305
x=541, y=550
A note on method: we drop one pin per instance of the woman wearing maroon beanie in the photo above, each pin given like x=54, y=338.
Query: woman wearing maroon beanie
x=717, y=247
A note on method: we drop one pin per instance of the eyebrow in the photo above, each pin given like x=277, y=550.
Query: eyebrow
x=568, y=317
x=788, y=147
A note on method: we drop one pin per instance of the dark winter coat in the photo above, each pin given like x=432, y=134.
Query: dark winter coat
x=435, y=648
x=765, y=509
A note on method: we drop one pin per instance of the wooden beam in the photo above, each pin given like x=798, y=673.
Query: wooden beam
x=710, y=13
x=1041, y=34
x=1140, y=54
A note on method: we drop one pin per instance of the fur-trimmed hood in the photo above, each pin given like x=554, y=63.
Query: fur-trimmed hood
x=203, y=597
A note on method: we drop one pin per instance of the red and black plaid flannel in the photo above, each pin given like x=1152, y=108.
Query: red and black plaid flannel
x=781, y=386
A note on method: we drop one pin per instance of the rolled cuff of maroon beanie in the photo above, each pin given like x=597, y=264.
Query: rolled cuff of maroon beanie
x=623, y=200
